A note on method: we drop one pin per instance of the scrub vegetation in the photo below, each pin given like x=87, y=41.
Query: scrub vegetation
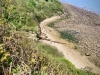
x=20, y=55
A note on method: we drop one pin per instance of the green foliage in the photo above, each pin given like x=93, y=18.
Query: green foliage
x=29, y=13
x=65, y=66
x=69, y=36
x=16, y=69
x=3, y=54
x=8, y=61
x=44, y=73
x=47, y=49
x=18, y=49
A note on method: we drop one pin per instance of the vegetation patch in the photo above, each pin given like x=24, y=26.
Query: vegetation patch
x=69, y=36
x=51, y=24
x=47, y=49
x=63, y=66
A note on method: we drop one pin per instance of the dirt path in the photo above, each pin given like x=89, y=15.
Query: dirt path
x=63, y=46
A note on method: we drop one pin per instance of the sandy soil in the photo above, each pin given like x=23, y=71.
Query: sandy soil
x=52, y=38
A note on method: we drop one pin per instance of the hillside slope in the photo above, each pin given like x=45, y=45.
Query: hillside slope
x=85, y=26
x=21, y=52
x=63, y=46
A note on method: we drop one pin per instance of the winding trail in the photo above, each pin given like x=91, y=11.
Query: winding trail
x=52, y=37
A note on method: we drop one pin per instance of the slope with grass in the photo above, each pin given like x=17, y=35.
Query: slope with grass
x=53, y=38
x=20, y=53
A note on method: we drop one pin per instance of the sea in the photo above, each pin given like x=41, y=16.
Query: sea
x=90, y=5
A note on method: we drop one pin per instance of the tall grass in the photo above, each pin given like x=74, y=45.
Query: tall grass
x=49, y=50
x=57, y=58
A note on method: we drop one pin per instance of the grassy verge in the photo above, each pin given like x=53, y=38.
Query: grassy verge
x=57, y=58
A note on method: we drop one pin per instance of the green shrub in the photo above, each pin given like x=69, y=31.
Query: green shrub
x=29, y=12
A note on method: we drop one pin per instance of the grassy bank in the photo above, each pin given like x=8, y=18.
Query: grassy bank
x=65, y=67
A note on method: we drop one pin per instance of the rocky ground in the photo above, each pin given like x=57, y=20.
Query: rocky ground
x=85, y=25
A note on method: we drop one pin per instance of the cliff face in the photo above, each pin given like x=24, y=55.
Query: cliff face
x=85, y=26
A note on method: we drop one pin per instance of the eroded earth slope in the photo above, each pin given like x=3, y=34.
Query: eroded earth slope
x=85, y=26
